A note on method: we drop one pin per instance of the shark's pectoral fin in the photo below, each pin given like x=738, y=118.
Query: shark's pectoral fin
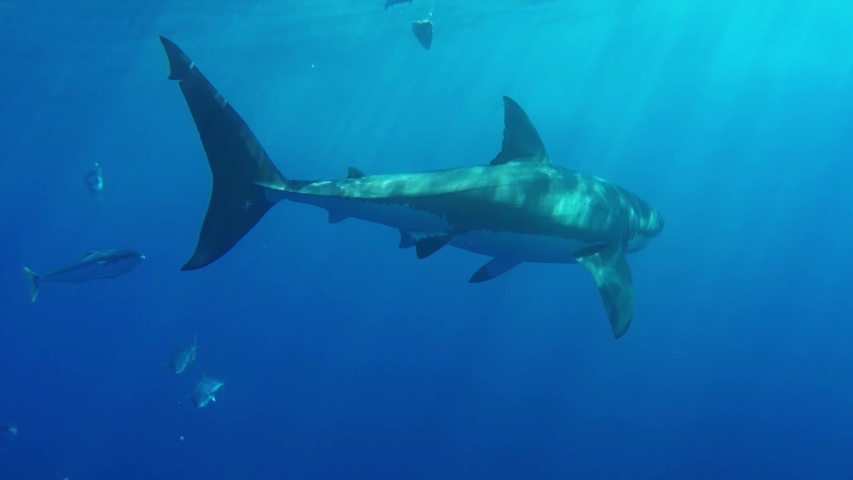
x=612, y=275
x=335, y=217
x=521, y=140
x=497, y=266
x=426, y=246
x=406, y=240
x=353, y=172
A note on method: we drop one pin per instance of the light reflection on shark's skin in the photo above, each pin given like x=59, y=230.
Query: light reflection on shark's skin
x=519, y=208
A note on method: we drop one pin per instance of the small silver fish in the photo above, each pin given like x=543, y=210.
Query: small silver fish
x=182, y=356
x=205, y=391
x=93, y=266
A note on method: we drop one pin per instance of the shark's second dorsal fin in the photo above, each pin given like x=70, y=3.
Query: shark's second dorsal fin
x=521, y=140
x=353, y=172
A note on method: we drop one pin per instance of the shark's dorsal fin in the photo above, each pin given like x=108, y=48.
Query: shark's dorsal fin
x=521, y=140
x=353, y=172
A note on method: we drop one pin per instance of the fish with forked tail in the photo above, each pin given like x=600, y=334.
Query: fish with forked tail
x=93, y=266
x=205, y=391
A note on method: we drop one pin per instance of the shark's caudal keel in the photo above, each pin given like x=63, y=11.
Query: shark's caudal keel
x=519, y=208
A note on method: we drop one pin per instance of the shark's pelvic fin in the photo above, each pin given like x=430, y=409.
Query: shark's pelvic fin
x=497, y=266
x=241, y=168
x=33, y=282
x=426, y=246
x=521, y=140
x=406, y=240
x=335, y=217
x=353, y=172
x=612, y=275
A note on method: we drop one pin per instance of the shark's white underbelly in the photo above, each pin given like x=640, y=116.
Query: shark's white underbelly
x=521, y=246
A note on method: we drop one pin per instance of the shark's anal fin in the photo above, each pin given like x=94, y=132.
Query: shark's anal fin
x=335, y=217
x=521, y=140
x=426, y=246
x=353, y=172
x=406, y=240
x=497, y=266
x=612, y=275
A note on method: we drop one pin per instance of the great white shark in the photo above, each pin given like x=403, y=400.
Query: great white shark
x=521, y=207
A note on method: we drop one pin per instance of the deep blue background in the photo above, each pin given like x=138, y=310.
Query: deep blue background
x=347, y=358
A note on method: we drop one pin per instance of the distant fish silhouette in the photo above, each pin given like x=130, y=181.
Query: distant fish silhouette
x=389, y=3
x=423, y=32
x=95, y=181
x=8, y=432
x=93, y=266
x=183, y=356
x=205, y=391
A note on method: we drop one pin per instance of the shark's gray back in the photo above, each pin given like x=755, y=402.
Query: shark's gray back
x=521, y=197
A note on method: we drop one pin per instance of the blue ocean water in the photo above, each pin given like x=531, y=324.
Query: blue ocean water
x=345, y=357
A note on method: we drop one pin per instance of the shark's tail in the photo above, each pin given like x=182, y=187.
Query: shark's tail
x=242, y=171
x=33, y=281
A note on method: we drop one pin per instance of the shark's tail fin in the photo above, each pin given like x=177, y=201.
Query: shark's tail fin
x=241, y=169
x=33, y=281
